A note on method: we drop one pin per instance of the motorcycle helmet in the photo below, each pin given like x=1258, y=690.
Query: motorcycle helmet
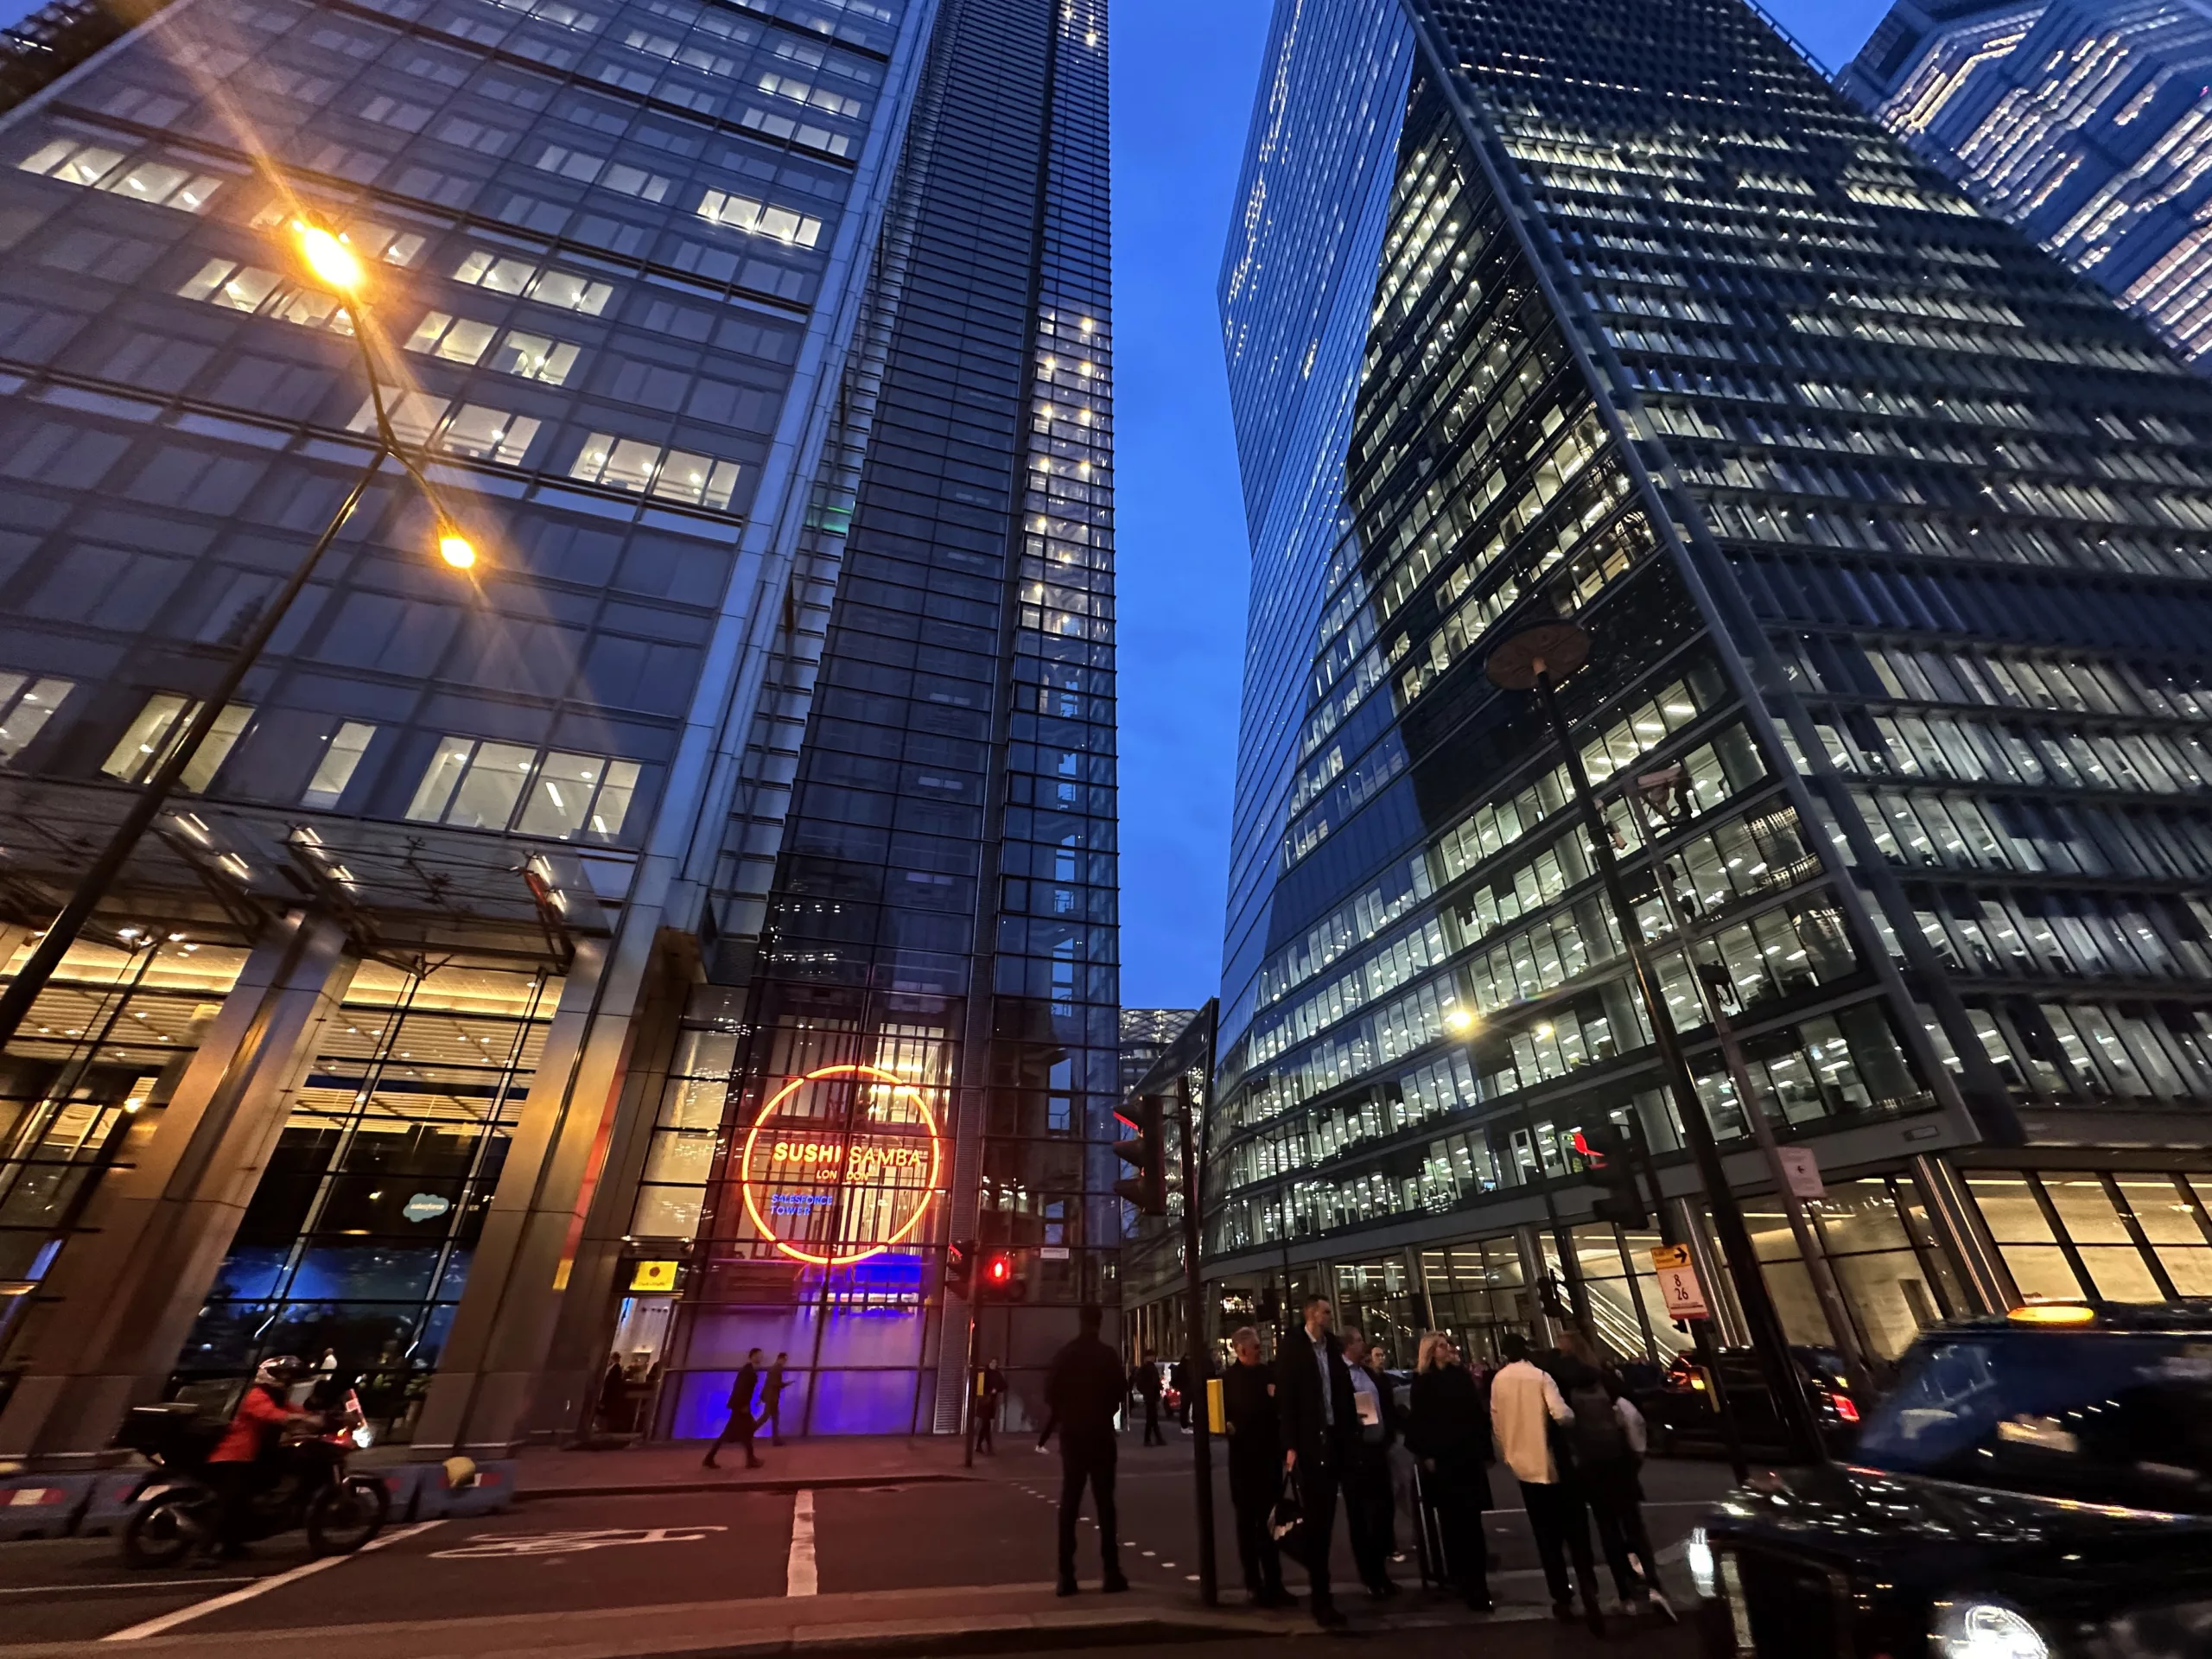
x=278, y=1370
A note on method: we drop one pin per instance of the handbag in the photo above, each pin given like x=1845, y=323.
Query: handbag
x=1287, y=1521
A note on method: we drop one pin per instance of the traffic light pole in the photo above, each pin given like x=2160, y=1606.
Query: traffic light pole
x=1526, y=662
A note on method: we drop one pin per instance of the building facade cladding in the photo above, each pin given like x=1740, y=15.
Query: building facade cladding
x=1295, y=283
x=1888, y=536
x=941, y=900
x=2080, y=120
x=612, y=252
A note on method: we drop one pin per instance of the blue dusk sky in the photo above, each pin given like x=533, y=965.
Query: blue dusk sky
x=1183, y=75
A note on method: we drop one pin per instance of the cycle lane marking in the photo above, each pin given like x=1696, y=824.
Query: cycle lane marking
x=800, y=1575
x=259, y=1586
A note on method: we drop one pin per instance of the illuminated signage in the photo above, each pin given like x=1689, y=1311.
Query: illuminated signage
x=840, y=1164
x=653, y=1276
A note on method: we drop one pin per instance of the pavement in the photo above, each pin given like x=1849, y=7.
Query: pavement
x=886, y=1548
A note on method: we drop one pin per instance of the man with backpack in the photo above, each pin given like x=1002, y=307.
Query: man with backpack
x=1607, y=1439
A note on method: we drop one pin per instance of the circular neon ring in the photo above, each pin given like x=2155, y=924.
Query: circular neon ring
x=745, y=1164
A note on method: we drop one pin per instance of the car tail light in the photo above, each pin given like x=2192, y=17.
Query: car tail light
x=1846, y=1407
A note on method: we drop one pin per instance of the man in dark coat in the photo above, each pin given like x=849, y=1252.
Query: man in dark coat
x=741, y=1422
x=1144, y=1379
x=1254, y=1468
x=1319, y=1420
x=1083, y=1390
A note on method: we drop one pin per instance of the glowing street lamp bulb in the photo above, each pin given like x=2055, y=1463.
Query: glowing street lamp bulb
x=457, y=548
x=328, y=257
x=1460, y=1019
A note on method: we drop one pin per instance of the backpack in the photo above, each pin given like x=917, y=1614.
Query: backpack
x=1597, y=1435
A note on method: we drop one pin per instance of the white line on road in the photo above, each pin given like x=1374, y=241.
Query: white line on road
x=799, y=1577
x=259, y=1586
x=120, y=1584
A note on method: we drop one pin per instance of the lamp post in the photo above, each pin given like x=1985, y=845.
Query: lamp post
x=337, y=267
x=1535, y=659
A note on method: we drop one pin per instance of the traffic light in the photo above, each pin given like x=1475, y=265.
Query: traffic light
x=1145, y=1152
x=959, y=1265
x=1605, y=1148
x=997, y=1280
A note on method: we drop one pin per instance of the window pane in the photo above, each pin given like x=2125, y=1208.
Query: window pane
x=2120, y=1274
x=2010, y=1209
x=667, y=1211
x=2165, y=1214
x=215, y=748
x=339, y=761
x=139, y=751
x=438, y=781
x=486, y=797
x=23, y=722
x=2084, y=1209
x=2041, y=1270
x=559, y=794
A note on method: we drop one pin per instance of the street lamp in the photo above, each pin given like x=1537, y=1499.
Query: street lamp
x=338, y=268
x=1535, y=659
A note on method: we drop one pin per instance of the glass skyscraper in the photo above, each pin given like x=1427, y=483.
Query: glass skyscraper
x=2081, y=121
x=764, y=350
x=1890, y=537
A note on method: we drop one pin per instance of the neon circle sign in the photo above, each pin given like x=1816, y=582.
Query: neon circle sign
x=833, y=1190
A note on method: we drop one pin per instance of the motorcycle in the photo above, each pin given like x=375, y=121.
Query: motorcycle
x=177, y=1511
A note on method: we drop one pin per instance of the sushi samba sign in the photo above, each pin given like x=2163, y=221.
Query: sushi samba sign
x=840, y=1164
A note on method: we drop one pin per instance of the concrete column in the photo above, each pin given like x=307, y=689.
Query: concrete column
x=480, y=1401
x=116, y=1306
x=1531, y=1245
x=569, y=1384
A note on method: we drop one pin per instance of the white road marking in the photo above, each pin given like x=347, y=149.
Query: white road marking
x=799, y=1579
x=259, y=1586
x=121, y=1584
x=568, y=1543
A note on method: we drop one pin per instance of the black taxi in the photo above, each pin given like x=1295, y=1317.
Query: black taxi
x=2037, y=1486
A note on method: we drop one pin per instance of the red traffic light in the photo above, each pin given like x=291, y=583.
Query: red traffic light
x=1597, y=1158
x=998, y=1270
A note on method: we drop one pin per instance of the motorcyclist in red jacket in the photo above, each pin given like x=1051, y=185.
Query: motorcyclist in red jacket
x=243, y=1462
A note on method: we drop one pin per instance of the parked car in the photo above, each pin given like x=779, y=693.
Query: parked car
x=1681, y=1417
x=2037, y=1486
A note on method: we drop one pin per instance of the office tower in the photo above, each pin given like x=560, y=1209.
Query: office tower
x=410, y=1030
x=2079, y=121
x=1890, y=541
x=944, y=906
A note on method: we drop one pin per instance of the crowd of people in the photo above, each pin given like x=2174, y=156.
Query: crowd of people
x=1314, y=1434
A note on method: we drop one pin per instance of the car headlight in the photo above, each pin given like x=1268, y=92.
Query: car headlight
x=1697, y=1556
x=1970, y=1629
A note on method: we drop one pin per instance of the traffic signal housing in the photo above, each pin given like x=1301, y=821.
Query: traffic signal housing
x=960, y=1265
x=1605, y=1148
x=1145, y=1152
x=997, y=1279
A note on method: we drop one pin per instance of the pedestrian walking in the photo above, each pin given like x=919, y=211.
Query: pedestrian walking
x=1248, y=1399
x=990, y=1390
x=1146, y=1381
x=1524, y=1404
x=1608, y=1440
x=1083, y=1390
x=1319, y=1424
x=1448, y=1428
x=771, y=1397
x=1369, y=1506
x=740, y=1423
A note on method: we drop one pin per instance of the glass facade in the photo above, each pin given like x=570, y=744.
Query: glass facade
x=763, y=351
x=2072, y=119
x=1886, y=532
x=941, y=907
